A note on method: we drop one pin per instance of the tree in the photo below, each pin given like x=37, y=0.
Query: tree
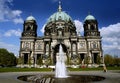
x=116, y=61
x=108, y=59
x=7, y=58
x=111, y=61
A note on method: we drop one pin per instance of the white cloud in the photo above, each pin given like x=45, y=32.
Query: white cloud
x=79, y=27
x=0, y=34
x=11, y=48
x=111, y=30
x=18, y=20
x=42, y=30
x=7, y=14
x=111, y=38
x=16, y=12
x=12, y=32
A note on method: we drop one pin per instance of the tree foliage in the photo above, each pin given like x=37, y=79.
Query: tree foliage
x=7, y=58
x=111, y=60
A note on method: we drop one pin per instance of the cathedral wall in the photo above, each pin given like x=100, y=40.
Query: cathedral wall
x=60, y=29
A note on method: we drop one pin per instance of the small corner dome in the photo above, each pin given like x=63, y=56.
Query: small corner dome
x=29, y=18
x=90, y=17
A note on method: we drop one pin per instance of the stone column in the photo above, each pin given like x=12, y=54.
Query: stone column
x=71, y=48
x=35, y=56
x=32, y=59
x=22, y=60
x=29, y=59
x=52, y=55
x=90, y=59
x=101, y=57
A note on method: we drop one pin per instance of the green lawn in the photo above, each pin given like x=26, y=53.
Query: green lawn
x=48, y=69
x=24, y=69
x=93, y=69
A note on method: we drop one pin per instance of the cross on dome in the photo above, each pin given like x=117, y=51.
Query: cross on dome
x=59, y=8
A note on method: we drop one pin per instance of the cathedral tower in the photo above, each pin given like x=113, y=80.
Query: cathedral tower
x=91, y=26
x=93, y=40
x=27, y=44
x=30, y=27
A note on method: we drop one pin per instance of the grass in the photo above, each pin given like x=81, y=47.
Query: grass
x=48, y=69
x=25, y=69
x=93, y=69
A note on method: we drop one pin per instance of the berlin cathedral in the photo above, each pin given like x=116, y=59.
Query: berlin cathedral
x=60, y=29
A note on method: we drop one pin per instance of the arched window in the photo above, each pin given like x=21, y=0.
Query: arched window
x=47, y=47
x=39, y=46
x=89, y=26
x=94, y=45
x=74, y=47
x=92, y=27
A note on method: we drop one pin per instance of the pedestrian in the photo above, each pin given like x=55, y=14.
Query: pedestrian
x=104, y=68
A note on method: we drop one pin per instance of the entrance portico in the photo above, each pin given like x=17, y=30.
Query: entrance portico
x=56, y=53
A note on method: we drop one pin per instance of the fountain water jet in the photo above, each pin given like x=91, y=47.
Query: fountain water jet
x=60, y=68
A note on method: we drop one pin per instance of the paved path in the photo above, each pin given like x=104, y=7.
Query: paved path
x=11, y=77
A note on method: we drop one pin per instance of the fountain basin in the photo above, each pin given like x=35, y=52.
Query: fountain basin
x=53, y=79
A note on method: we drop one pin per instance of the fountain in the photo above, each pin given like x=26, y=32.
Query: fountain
x=60, y=69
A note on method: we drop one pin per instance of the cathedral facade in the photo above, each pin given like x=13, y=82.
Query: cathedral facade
x=37, y=51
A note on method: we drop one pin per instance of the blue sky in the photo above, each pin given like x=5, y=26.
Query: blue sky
x=14, y=12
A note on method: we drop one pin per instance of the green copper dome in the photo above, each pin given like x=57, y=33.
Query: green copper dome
x=29, y=18
x=90, y=17
x=59, y=15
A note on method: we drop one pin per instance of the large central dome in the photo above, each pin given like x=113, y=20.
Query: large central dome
x=60, y=24
x=59, y=15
